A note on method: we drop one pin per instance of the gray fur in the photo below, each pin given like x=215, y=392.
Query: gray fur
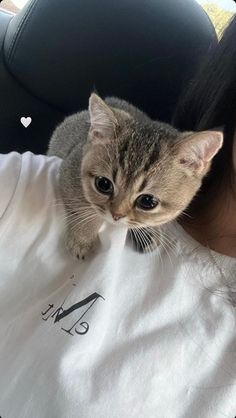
x=118, y=141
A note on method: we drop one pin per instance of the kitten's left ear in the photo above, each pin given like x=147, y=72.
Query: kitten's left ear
x=102, y=119
x=199, y=149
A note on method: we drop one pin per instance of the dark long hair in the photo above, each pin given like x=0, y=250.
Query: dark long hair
x=210, y=102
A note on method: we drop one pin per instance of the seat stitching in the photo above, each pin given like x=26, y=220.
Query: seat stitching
x=18, y=31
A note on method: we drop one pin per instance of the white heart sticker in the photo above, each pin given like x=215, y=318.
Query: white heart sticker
x=26, y=121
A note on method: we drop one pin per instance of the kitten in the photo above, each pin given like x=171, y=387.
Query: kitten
x=122, y=167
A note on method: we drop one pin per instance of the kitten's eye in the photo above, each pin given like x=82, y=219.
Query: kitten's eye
x=104, y=185
x=146, y=202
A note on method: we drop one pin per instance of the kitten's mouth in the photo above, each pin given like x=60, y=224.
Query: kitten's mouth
x=107, y=216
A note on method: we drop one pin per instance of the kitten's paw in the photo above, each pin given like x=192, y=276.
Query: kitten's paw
x=79, y=249
x=83, y=250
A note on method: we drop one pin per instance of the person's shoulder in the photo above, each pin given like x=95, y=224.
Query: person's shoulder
x=10, y=168
x=7, y=161
x=37, y=162
x=15, y=159
x=21, y=173
x=25, y=167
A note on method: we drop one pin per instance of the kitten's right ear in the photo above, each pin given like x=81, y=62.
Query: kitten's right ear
x=102, y=119
x=198, y=150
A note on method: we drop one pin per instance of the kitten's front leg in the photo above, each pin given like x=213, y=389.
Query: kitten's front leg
x=81, y=236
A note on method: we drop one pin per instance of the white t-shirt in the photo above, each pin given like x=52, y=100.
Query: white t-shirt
x=122, y=335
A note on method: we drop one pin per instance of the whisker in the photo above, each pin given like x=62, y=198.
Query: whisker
x=152, y=247
x=146, y=243
x=137, y=238
x=166, y=245
x=84, y=222
x=78, y=220
x=79, y=214
x=186, y=214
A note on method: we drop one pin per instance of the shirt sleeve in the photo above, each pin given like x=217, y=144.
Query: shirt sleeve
x=10, y=168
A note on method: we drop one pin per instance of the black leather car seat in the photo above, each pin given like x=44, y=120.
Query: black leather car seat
x=55, y=52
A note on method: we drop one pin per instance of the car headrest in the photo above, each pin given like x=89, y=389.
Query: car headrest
x=63, y=49
x=143, y=51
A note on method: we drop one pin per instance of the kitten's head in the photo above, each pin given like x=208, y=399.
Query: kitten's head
x=142, y=172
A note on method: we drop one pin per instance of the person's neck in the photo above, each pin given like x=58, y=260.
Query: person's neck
x=216, y=226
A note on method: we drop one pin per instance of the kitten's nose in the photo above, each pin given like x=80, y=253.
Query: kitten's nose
x=117, y=216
